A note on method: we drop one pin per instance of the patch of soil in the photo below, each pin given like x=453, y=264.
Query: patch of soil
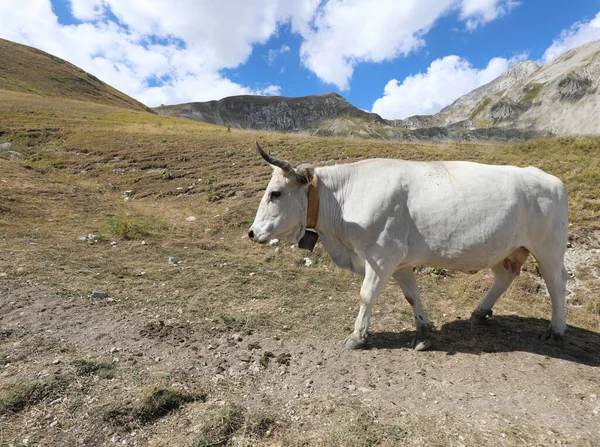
x=492, y=385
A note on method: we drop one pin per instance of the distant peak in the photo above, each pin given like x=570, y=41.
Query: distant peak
x=524, y=67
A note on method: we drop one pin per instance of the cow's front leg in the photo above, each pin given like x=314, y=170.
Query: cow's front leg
x=408, y=283
x=371, y=288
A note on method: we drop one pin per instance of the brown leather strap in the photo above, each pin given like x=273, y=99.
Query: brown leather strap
x=312, y=213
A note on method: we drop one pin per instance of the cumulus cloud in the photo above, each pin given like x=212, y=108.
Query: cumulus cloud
x=157, y=52
x=347, y=33
x=445, y=80
x=166, y=52
x=578, y=34
x=479, y=12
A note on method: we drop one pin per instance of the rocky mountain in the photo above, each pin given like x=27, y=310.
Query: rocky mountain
x=325, y=115
x=561, y=97
x=272, y=112
x=29, y=70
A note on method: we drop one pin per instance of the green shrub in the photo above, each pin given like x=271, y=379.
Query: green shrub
x=128, y=228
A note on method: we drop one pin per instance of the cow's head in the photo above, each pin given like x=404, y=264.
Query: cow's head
x=282, y=210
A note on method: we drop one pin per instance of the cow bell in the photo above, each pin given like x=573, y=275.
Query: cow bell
x=309, y=240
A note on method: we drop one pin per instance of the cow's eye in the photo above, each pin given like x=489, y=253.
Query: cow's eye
x=275, y=194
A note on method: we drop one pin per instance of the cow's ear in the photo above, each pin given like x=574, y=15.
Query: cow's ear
x=305, y=174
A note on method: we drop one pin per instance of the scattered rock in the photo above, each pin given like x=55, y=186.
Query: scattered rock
x=273, y=242
x=113, y=243
x=100, y=295
x=190, y=218
x=14, y=154
x=245, y=358
x=88, y=237
x=4, y=334
x=237, y=337
x=144, y=243
x=6, y=146
x=172, y=261
x=307, y=262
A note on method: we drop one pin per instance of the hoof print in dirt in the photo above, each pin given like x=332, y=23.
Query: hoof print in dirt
x=174, y=333
x=253, y=345
x=284, y=358
x=264, y=360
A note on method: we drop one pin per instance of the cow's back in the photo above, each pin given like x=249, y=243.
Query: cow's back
x=454, y=214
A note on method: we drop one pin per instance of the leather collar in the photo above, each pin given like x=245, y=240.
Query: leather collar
x=310, y=238
x=312, y=212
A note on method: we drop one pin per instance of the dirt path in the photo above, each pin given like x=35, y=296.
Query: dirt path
x=496, y=385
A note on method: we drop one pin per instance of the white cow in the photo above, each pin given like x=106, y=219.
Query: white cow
x=381, y=217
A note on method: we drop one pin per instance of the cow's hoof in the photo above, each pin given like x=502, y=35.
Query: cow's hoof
x=354, y=343
x=480, y=316
x=422, y=345
x=422, y=340
x=551, y=336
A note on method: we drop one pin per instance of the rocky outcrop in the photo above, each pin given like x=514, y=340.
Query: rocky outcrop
x=507, y=111
x=573, y=88
x=272, y=112
x=560, y=97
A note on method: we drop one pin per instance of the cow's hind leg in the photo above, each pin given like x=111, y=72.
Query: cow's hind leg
x=555, y=275
x=408, y=283
x=372, y=286
x=502, y=279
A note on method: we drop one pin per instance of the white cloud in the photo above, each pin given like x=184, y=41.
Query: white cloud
x=166, y=52
x=446, y=79
x=578, y=34
x=182, y=42
x=273, y=53
x=87, y=9
x=479, y=12
x=346, y=33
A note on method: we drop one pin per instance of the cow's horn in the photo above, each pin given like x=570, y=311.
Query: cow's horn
x=287, y=168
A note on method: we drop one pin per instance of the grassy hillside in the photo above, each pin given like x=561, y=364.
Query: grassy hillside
x=29, y=70
x=128, y=176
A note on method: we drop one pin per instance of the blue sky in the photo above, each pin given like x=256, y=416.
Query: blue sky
x=397, y=58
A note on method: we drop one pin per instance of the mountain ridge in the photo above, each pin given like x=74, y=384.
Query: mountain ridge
x=559, y=98
x=30, y=70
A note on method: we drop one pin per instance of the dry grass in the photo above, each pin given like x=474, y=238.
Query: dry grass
x=18, y=396
x=73, y=180
x=81, y=161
